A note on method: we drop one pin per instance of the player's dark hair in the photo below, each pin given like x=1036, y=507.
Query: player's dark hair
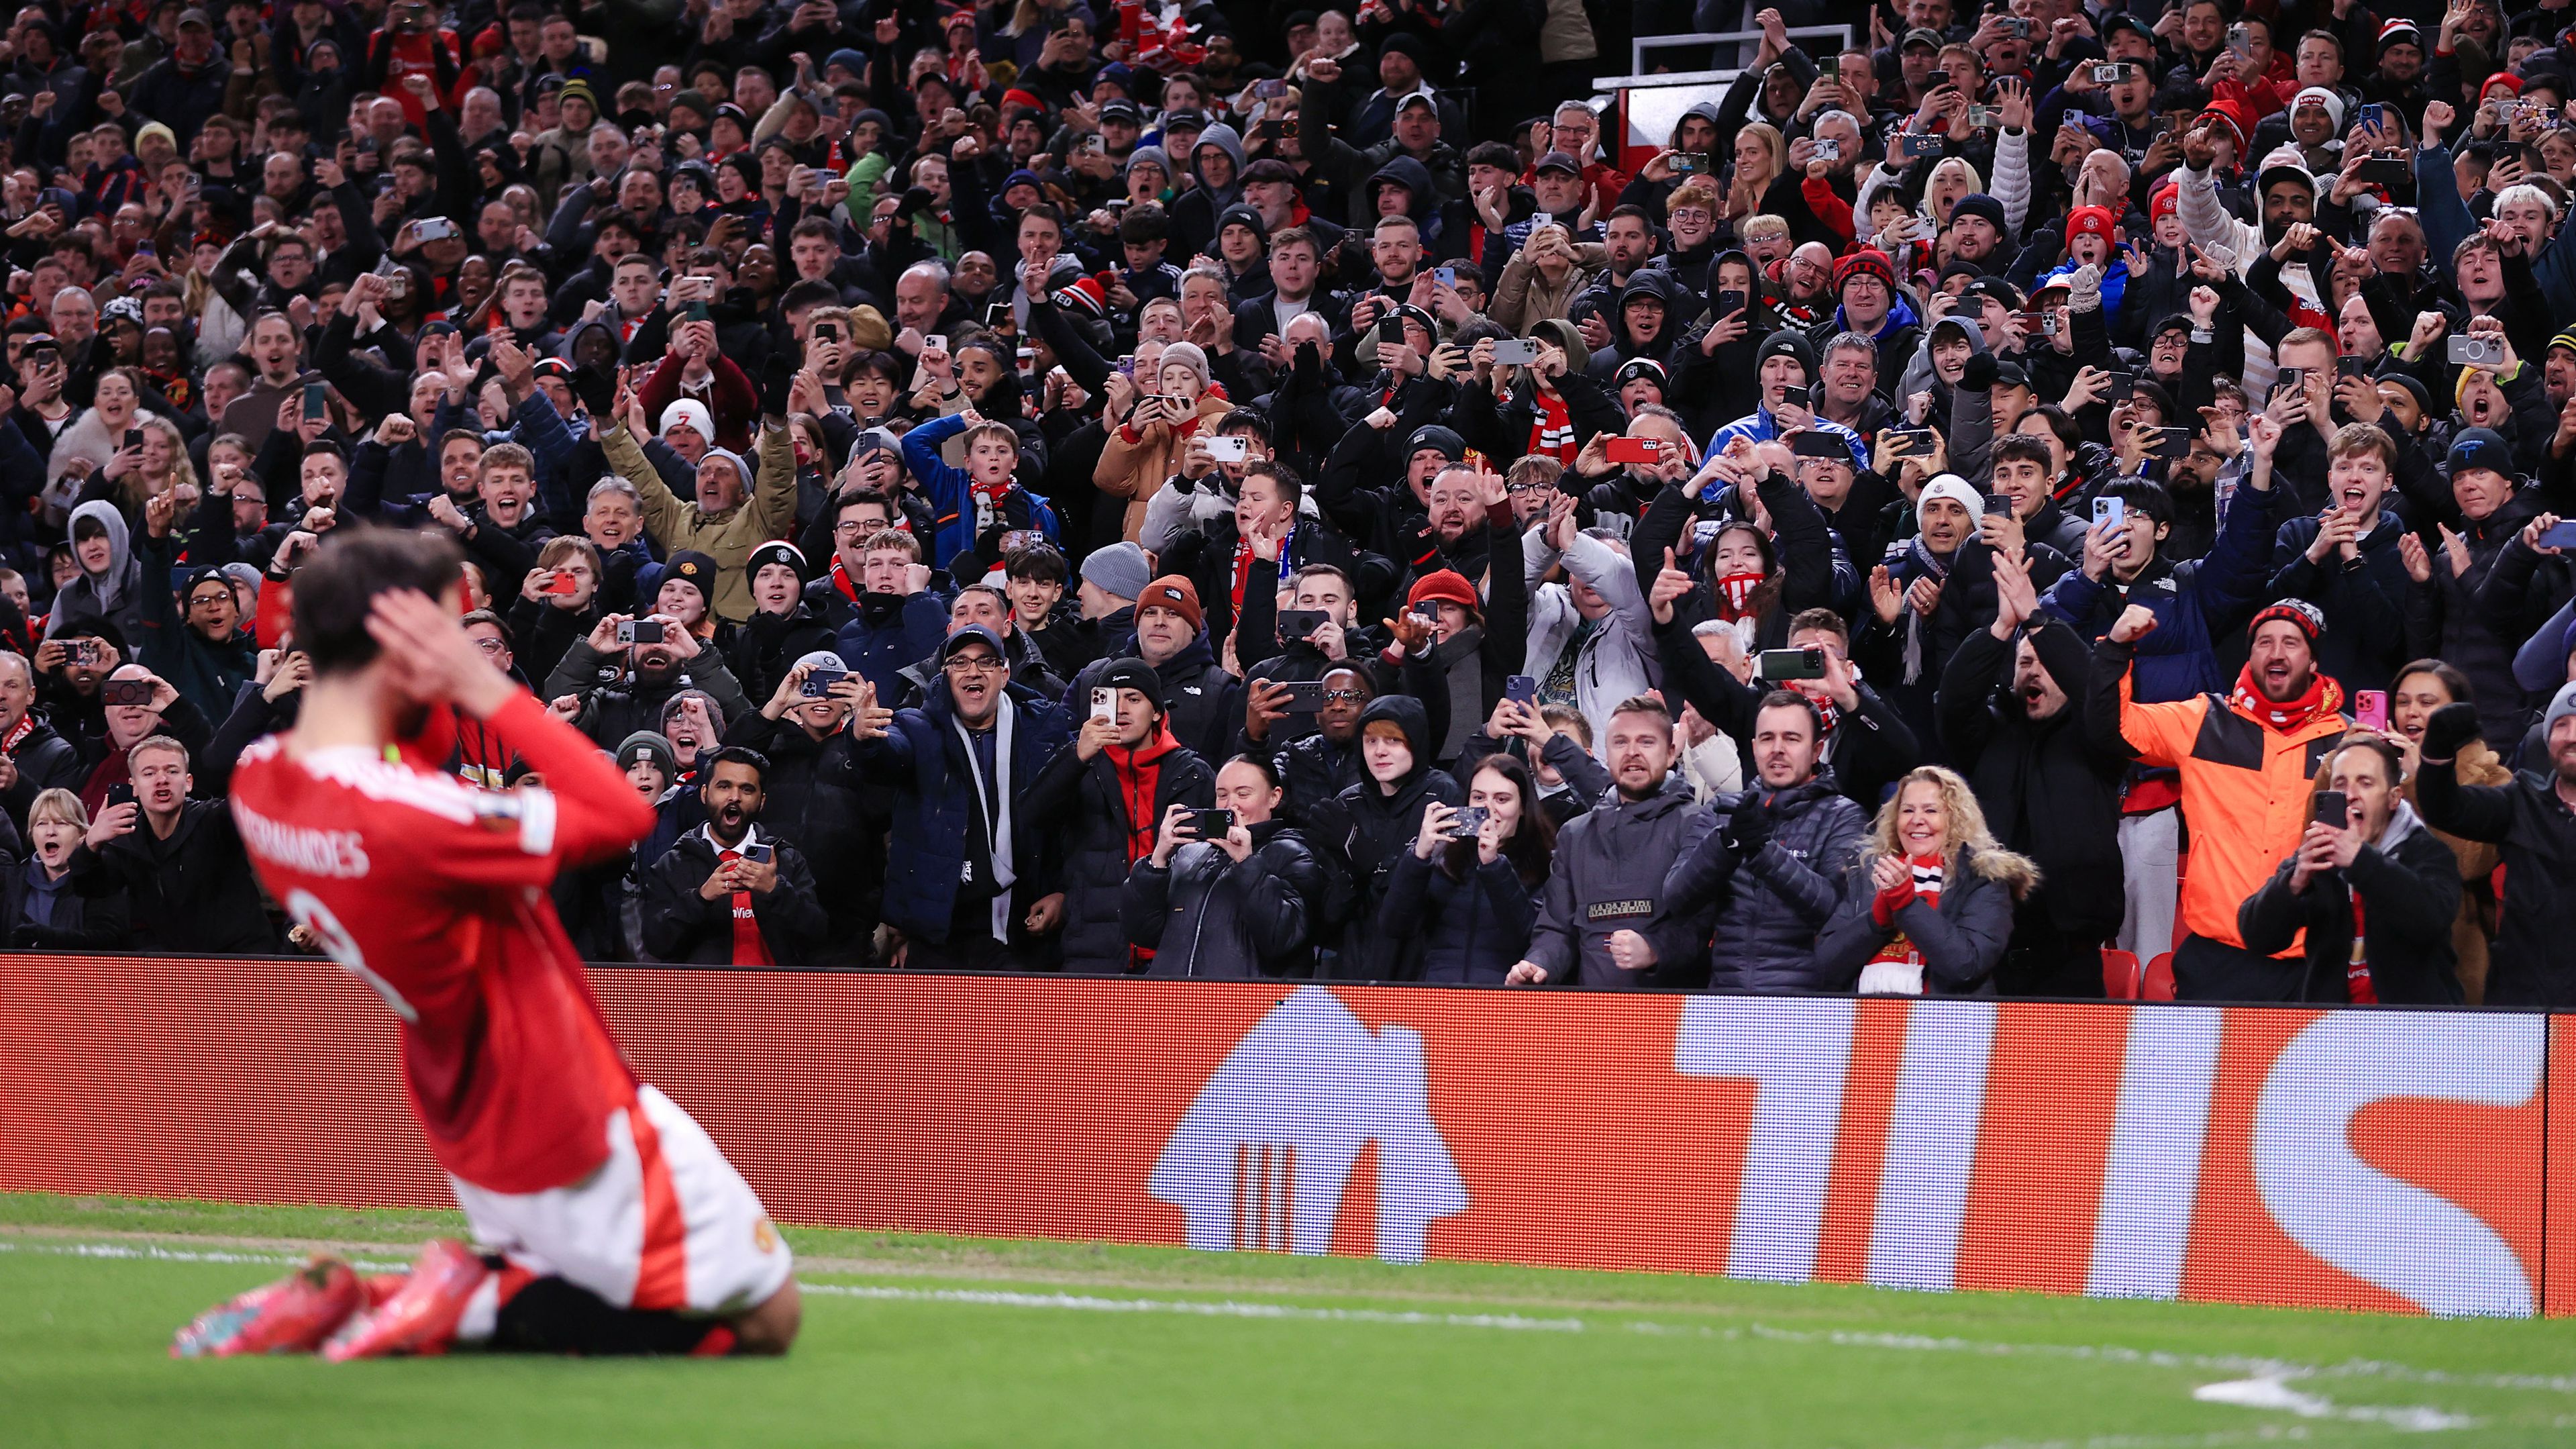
x=336, y=589
x=750, y=759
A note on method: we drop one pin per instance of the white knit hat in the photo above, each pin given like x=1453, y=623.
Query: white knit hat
x=1954, y=488
x=693, y=412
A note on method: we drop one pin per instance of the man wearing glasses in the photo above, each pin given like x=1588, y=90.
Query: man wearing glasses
x=966, y=888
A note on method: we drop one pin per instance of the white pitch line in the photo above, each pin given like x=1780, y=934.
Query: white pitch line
x=2281, y=1370
x=1206, y=1308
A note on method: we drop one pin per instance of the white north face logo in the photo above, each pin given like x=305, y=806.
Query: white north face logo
x=1261, y=1159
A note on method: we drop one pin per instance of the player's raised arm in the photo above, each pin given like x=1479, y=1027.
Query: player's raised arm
x=586, y=810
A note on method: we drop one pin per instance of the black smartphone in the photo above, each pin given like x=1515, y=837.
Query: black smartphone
x=119, y=795
x=2173, y=444
x=125, y=691
x=1211, y=824
x=997, y=314
x=133, y=438
x=1301, y=623
x=2333, y=809
x=2289, y=379
x=1796, y=397
x=2122, y=387
x=1911, y=442
x=1521, y=689
x=2349, y=366
x=698, y=312
x=818, y=685
x=1779, y=665
x=1428, y=611
x=1817, y=443
x=827, y=331
x=1730, y=300
x=1305, y=696
x=2385, y=171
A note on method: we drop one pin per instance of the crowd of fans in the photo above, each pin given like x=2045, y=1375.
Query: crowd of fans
x=1237, y=490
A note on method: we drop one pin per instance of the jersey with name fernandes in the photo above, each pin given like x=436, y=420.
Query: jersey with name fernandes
x=437, y=895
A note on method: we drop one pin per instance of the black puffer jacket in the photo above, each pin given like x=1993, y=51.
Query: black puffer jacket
x=1370, y=829
x=1209, y=915
x=1471, y=929
x=1961, y=940
x=1108, y=810
x=1776, y=896
x=1612, y=873
x=2410, y=894
x=817, y=804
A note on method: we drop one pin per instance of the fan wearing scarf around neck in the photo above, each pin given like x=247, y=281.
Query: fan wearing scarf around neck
x=2244, y=759
x=1929, y=909
x=1905, y=590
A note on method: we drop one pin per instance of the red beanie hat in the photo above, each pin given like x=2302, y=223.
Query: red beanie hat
x=1868, y=261
x=2233, y=114
x=2504, y=78
x=2166, y=201
x=1447, y=586
x=2090, y=221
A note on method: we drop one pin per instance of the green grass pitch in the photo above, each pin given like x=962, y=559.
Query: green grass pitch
x=922, y=1341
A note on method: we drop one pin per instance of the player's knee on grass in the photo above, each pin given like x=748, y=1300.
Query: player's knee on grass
x=771, y=1328
x=552, y=1315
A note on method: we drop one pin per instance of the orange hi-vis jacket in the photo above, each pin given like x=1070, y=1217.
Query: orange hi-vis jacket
x=2246, y=790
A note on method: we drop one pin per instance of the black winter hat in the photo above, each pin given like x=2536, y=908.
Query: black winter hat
x=1135, y=674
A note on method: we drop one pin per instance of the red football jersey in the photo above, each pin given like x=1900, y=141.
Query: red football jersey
x=437, y=895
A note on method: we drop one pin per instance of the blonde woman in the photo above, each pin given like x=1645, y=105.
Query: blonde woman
x=97, y=436
x=1760, y=159
x=159, y=466
x=1951, y=179
x=1929, y=907
x=43, y=909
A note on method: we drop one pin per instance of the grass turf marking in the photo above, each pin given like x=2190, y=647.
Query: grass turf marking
x=2276, y=1373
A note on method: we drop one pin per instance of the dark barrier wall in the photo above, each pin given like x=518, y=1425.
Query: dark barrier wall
x=2370, y=1159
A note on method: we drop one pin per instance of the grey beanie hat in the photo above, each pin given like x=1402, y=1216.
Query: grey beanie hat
x=822, y=659
x=1119, y=569
x=648, y=745
x=1189, y=355
x=2561, y=705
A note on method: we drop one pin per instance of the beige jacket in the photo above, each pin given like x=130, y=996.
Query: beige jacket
x=1523, y=296
x=727, y=537
x=1135, y=465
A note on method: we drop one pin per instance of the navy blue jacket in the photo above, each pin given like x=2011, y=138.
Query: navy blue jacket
x=925, y=763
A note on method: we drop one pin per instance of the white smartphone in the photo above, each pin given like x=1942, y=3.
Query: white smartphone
x=937, y=342
x=1104, y=705
x=1228, y=450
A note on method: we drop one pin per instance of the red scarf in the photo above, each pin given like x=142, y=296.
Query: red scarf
x=748, y=948
x=1552, y=432
x=17, y=734
x=1243, y=560
x=1735, y=595
x=2356, y=975
x=2323, y=697
x=841, y=580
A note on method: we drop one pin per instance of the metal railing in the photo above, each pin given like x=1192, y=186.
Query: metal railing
x=1841, y=35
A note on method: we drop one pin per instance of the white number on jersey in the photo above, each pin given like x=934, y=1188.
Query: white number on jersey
x=336, y=944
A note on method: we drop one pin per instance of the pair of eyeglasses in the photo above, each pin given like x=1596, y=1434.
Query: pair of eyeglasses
x=488, y=646
x=965, y=664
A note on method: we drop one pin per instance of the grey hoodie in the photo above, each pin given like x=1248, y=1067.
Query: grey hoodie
x=1608, y=876
x=1223, y=137
x=114, y=596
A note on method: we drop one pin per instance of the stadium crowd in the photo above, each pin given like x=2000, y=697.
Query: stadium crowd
x=1242, y=490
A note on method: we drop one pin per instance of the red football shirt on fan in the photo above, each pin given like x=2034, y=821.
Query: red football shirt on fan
x=437, y=895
